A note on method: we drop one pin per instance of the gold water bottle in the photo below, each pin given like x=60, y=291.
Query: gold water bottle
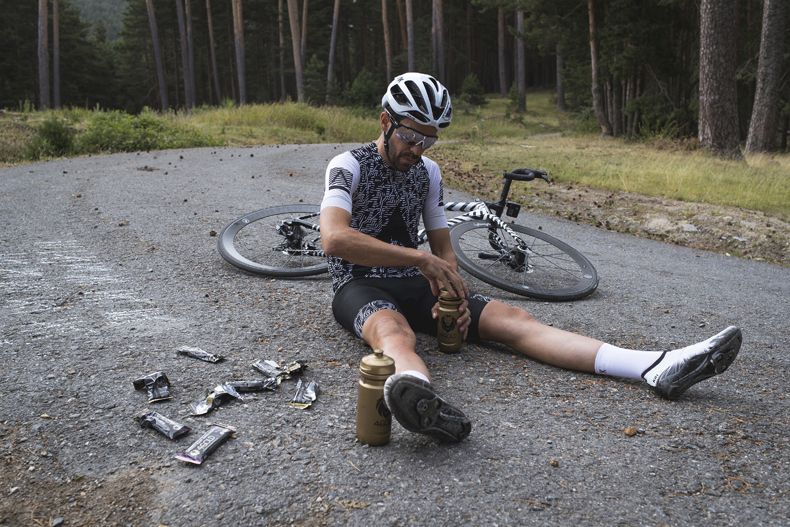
x=450, y=338
x=374, y=419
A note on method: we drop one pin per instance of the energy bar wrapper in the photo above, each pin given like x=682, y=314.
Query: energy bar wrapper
x=306, y=393
x=157, y=384
x=199, y=451
x=162, y=424
x=198, y=353
x=216, y=398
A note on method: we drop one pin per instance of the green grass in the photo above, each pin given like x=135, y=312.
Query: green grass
x=486, y=140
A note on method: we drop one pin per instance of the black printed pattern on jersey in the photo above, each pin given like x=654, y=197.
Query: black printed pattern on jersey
x=340, y=178
x=386, y=204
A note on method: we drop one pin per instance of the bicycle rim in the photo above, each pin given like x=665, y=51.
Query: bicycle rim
x=549, y=270
x=253, y=243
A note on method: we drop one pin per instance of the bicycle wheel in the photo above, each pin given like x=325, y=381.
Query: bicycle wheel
x=274, y=242
x=539, y=266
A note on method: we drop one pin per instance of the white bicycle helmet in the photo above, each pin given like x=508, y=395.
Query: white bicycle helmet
x=419, y=97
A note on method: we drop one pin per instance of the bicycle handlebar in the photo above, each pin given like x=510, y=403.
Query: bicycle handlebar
x=527, y=174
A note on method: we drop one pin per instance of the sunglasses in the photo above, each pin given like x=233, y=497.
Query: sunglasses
x=413, y=138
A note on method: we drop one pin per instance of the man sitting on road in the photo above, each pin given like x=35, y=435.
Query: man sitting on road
x=386, y=289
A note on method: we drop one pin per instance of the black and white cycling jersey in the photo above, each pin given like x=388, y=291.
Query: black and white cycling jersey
x=384, y=203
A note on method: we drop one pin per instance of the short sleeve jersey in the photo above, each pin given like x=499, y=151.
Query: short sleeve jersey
x=384, y=203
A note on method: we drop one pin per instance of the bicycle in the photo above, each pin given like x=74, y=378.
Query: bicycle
x=285, y=241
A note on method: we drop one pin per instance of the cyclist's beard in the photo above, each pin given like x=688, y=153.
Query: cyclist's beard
x=404, y=160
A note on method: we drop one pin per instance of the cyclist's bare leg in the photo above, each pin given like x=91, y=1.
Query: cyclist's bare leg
x=389, y=331
x=519, y=330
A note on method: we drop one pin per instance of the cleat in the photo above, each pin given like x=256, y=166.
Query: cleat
x=676, y=371
x=415, y=405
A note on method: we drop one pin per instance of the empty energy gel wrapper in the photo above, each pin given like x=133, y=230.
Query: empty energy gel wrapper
x=157, y=384
x=258, y=385
x=216, y=398
x=271, y=369
x=162, y=424
x=198, y=451
x=198, y=353
x=306, y=393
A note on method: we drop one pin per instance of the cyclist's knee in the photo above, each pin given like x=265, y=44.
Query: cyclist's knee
x=500, y=321
x=387, y=325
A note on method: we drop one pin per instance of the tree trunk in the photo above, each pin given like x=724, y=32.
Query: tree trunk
x=281, y=36
x=785, y=133
x=718, y=108
x=616, y=109
x=387, y=46
x=303, y=40
x=160, y=70
x=330, y=71
x=410, y=33
x=503, y=87
x=766, y=111
x=560, y=79
x=438, y=40
x=213, y=54
x=56, y=54
x=238, y=39
x=597, y=96
x=182, y=33
x=43, y=55
x=404, y=38
x=190, y=51
x=521, y=75
x=293, y=18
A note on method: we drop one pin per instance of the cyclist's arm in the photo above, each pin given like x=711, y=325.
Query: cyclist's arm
x=340, y=240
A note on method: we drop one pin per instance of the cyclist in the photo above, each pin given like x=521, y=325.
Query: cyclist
x=386, y=289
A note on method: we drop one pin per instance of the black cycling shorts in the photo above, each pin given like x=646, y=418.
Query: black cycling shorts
x=411, y=297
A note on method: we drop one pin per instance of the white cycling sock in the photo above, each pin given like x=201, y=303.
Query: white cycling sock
x=392, y=378
x=622, y=362
x=631, y=364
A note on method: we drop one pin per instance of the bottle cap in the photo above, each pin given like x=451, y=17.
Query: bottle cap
x=377, y=363
x=446, y=295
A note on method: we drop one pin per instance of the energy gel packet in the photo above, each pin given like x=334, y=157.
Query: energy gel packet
x=306, y=393
x=198, y=451
x=272, y=370
x=258, y=385
x=198, y=353
x=157, y=384
x=162, y=424
x=217, y=397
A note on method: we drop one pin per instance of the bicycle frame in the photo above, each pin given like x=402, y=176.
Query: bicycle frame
x=295, y=244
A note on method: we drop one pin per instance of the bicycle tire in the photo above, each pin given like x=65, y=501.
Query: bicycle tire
x=557, y=271
x=251, y=243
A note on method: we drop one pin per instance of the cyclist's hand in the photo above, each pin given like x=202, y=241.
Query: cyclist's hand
x=463, y=321
x=441, y=274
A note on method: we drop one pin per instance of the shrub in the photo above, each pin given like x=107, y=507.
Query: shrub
x=53, y=138
x=364, y=91
x=120, y=132
x=472, y=92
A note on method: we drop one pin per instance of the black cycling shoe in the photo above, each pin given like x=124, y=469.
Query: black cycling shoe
x=674, y=372
x=415, y=405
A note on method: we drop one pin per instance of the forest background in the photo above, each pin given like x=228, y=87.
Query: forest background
x=696, y=93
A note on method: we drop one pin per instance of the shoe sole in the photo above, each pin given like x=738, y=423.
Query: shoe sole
x=417, y=408
x=722, y=353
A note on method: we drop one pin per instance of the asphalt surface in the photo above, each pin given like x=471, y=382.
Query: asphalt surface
x=108, y=265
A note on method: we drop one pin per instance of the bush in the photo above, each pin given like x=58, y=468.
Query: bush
x=472, y=92
x=315, y=81
x=54, y=138
x=120, y=132
x=365, y=91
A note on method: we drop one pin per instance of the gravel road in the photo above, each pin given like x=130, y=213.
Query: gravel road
x=108, y=265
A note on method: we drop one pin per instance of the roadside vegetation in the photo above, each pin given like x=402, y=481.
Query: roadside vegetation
x=484, y=140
